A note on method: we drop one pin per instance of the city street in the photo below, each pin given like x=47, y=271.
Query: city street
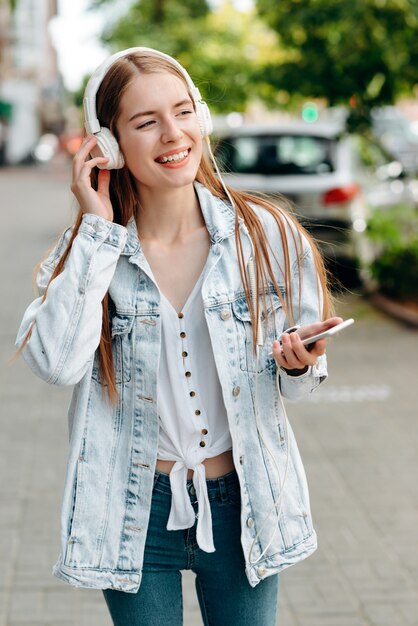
x=358, y=436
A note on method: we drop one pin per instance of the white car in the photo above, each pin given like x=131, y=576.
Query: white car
x=333, y=179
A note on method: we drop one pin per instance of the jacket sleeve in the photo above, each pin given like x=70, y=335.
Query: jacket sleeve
x=307, y=307
x=66, y=326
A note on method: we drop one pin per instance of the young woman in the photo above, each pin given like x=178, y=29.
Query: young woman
x=163, y=305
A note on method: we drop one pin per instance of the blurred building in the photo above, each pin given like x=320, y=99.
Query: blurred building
x=31, y=89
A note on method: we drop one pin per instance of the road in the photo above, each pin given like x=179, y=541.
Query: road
x=358, y=436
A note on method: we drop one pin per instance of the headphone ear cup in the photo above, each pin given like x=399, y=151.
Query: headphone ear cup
x=204, y=118
x=108, y=147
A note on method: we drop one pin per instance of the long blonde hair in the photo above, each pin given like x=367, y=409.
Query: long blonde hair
x=123, y=195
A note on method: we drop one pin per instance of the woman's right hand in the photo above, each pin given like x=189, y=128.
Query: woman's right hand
x=90, y=200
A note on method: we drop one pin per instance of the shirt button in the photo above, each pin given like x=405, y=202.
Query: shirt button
x=261, y=571
x=182, y=334
x=187, y=374
x=184, y=354
x=236, y=391
x=197, y=412
x=192, y=394
x=250, y=522
x=204, y=431
x=181, y=315
x=225, y=314
x=202, y=444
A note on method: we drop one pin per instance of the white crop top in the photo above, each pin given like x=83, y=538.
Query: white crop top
x=192, y=415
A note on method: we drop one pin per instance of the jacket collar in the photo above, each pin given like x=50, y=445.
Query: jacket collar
x=219, y=217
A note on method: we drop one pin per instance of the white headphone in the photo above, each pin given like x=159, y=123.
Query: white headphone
x=107, y=144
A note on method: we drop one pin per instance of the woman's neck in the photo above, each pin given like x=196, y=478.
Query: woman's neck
x=168, y=214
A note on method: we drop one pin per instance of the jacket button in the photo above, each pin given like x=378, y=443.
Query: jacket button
x=236, y=391
x=98, y=227
x=250, y=522
x=202, y=444
x=225, y=314
x=261, y=571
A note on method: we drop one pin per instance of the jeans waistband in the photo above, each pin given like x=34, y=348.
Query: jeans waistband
x=217, y=488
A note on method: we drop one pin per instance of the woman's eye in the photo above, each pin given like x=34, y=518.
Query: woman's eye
x=186, y=112
x=145, y=124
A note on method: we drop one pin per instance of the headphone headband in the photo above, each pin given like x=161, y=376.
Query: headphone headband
x=92, y=124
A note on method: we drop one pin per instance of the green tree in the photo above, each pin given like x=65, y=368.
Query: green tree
x=223, y=49
x=362, y=52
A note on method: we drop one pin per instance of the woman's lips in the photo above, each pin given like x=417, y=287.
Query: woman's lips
x=174, y=159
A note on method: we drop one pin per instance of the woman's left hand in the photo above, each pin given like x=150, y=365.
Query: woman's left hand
x=293, y=356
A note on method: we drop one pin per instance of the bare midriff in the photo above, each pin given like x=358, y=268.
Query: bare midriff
x=215, y=467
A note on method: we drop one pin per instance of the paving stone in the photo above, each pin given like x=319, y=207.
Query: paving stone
x=333, y=620
x=4, y=601
x=409, y=610
x=26, y=606
x=383, y=614
x=45, y=622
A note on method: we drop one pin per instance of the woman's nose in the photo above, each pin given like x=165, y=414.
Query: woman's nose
x=171, y=131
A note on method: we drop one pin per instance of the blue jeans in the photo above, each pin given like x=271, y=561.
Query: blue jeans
x=224, y=593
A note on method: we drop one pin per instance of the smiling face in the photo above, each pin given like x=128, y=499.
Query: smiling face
x=159, y=133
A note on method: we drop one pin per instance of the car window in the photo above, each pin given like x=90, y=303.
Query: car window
x=284, y=154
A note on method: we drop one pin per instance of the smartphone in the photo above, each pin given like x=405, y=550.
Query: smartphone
x=326, y=333
x=309, y=341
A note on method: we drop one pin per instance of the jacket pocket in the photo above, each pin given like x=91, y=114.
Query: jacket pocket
x=271, y=331
x=121, y=331
x=74, y=502
x=75, y=510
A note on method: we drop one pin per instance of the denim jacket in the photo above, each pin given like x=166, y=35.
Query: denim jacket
x=113, y=448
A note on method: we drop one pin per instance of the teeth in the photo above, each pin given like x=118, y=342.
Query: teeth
x=174, y=157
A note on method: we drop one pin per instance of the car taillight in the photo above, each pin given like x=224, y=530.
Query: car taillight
x=340, y=195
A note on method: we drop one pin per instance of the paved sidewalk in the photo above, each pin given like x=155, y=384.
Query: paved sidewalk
x=358, y=437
